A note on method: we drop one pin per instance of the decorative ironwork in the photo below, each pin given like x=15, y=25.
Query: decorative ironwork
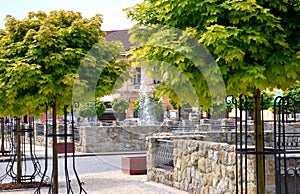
x=23, y=164
x=45, y=179
x=164, y=155
x=241, y=141
x=6, y=137
x=65, y=136
x=285, y=149
x=183, y=128
x=288, y=175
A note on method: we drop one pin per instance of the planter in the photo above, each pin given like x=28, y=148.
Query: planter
x=61, y=147
x=134, y=165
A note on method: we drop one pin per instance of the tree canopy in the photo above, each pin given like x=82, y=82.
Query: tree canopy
x=293, y=92
x=120, y=105
x=87, y=110
x=293, y=95
x=255, y=43
x=99, y=107
x=40, y=58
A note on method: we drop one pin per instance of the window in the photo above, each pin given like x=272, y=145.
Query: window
x=137, y=77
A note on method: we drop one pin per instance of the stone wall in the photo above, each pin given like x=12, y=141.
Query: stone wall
x=40, y=131
x=228, y=137
x=114, y=139
x=132, y=138
x=199, y=166
x=205, y=167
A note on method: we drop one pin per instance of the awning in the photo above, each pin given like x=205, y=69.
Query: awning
x=109, y=98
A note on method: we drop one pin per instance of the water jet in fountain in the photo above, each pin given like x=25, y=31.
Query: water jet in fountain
x=146, y=107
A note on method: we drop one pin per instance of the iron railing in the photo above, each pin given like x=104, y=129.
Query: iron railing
x=164, y=155
x=286, y=147
x=182, y=128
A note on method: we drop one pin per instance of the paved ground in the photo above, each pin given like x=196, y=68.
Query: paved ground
x=112, y=183
x=101, y=174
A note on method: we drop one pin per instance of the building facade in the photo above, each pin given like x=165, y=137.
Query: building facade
x=131, y=89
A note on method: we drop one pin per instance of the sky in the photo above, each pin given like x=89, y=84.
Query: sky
x=113, y=16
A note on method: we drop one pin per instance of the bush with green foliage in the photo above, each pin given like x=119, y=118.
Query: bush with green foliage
x=100, y=107
x=120, y=105
x=87, y=110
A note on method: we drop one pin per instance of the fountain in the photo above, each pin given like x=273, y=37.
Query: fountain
x=146, y=107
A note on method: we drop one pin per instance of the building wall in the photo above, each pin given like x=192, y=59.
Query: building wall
x=131, y=91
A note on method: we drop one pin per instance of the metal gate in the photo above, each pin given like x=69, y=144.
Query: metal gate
x=287, y=146
x=283, y=148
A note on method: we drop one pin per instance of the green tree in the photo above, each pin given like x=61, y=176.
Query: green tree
x=120, y=105
x=293, y=94
x=100, y=107
x=255, y=44
x=40, y=58
x=174, y=104
x=136, y=106
x=249, y=40
x=87, y=110
x=100, y=72
x=43, y=55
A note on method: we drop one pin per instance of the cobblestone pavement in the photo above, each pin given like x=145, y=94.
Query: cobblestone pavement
x=114, y=182
x=101, y=174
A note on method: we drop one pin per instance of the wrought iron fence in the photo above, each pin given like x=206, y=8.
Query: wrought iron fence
x=182, y=128
x=22, y=155
x=6, y=137
x=164, y=155
x=66, y=136
x=289, y=175
x=286, y=147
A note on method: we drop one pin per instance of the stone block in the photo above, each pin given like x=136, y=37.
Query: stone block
x=176, y=185
x=202, y=165
x=188, y=175
x=134, y=165
x=206, y=190
x=270, y=179
x=210, y=179
x=194, y=158
x=61, y=147
x=218, y=175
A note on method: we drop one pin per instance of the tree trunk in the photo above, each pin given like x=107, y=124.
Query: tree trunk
x=2, y=137
x=19, y=154
x=259, y=144
x=54, y=147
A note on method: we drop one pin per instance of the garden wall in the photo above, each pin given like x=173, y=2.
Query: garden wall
x=114, y=138
x=132, y=138
x=204, y=167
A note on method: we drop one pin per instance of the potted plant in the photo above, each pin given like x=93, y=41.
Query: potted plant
x=120, y=105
